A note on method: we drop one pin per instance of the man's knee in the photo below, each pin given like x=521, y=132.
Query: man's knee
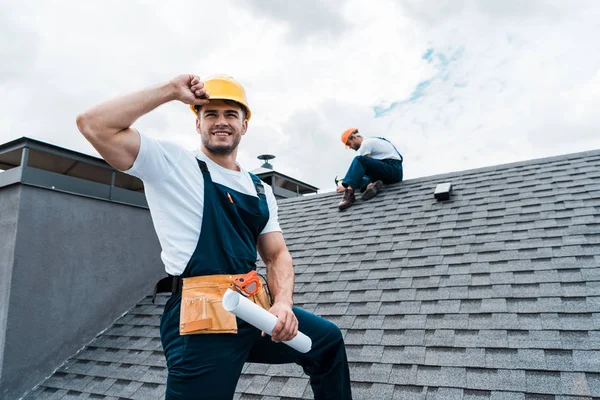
x=361, y=159
x=323, y=331
x=332, y=333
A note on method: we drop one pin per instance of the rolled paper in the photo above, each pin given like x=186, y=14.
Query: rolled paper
x=261, y=319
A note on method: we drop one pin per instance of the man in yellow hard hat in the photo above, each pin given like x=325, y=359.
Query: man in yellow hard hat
x=211, y=216
x=378, y=163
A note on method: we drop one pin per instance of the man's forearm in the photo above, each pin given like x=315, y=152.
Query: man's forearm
x=280, y=277
x=115, y=115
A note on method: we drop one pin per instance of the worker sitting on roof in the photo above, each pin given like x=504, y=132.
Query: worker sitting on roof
x=378, y=162
x=211, y=216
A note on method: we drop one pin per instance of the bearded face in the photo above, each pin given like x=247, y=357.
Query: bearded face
x=221, y=125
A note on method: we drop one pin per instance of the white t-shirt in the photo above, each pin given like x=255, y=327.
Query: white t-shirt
x=378, y=149
x=174, y=189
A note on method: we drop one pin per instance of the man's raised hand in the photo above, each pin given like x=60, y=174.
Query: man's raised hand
x=189, y=89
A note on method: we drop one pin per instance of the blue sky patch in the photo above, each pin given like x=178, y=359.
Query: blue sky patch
x=419, y=91
x=380, y=110
x=442, y=61
x=427, y=55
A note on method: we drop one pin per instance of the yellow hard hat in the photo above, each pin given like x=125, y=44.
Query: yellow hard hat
x=224, y=87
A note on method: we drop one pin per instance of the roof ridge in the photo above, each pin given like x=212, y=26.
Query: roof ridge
x=497, y=167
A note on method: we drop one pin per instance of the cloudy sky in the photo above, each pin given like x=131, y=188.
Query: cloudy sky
x=455, y=84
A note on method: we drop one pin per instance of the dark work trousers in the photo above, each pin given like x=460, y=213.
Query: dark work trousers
x=365, y=170
x=208, y=366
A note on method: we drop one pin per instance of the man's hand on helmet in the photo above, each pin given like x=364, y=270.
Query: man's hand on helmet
x=189, y=89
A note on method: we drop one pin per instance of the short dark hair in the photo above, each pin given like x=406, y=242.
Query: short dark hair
x=231, y=103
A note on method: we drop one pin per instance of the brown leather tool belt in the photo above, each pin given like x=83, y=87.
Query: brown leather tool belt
x=202, y=308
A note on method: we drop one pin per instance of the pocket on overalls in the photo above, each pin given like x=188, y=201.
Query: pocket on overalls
x=251, y=217
x=238, y=244
x=202, y=310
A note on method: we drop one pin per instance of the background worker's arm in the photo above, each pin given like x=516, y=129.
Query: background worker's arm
x=366, y=148
x=107, y=126
x=280, y=278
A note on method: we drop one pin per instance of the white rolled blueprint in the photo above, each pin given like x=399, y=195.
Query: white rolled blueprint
x=261, y=319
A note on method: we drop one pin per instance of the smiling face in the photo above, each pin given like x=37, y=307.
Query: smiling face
x=221, y=124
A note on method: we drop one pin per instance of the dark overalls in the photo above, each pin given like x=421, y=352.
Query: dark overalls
x=208, y=366
x=365, y=170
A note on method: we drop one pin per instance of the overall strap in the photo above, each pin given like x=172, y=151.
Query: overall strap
x=260, y=189
x=382, y=138
x=202, y=165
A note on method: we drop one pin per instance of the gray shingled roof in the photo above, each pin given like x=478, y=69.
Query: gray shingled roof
x=494, y=294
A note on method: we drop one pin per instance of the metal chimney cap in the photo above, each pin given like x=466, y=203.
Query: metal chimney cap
x=266, y=158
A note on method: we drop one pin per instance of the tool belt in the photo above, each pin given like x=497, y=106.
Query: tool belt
x=202, y=309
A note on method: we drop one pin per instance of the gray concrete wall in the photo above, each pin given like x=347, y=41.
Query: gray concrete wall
x=9, y=206
x=79, y=263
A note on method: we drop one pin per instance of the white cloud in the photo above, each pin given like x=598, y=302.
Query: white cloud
x=303, y=18
x=502, y=81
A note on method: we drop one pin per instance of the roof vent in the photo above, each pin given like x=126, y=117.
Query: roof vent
x=266, y=158
x=442, y=191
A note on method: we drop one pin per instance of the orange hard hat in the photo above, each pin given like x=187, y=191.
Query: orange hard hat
x=347, y=133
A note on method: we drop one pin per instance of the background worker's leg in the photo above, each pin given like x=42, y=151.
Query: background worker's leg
x=375, y=169
x=205, y=366
x=326, y=363
x=363, y=183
